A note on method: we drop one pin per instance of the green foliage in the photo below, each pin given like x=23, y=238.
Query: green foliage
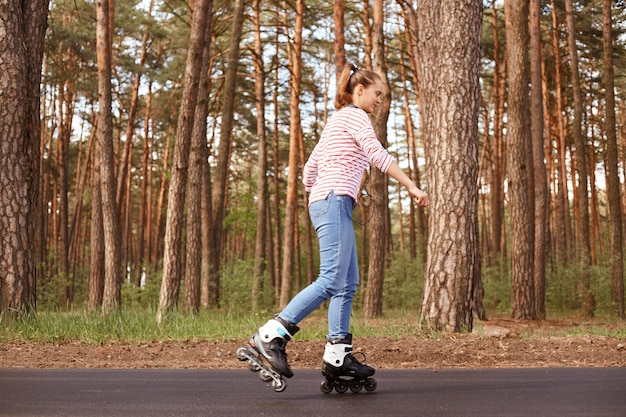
x=561, y=284
x=146, y=295
x=236, y=287
x=601, y=289
x=404, y=283
x=61, y=288
x=496, y=280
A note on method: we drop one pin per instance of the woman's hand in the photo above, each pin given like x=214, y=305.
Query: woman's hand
x=420, y=197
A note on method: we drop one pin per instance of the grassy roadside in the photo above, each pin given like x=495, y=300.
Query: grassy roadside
x=139, y=325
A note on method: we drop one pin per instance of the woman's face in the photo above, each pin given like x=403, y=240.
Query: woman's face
x=367, y=98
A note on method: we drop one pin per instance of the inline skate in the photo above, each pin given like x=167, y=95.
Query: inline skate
x=266, y=353
x=340, y=362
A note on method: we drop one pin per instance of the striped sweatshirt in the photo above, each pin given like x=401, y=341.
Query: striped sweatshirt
x=347, y=146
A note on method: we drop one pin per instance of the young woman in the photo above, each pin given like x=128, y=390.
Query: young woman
x=332, y=176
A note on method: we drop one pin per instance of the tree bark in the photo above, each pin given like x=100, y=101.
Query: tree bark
x=583, y=240
x=295, y=131
x=277, y=240
x=418, y=216
x=198, y=159
x=379, y=210
x=449, y=44
x=498, y=163
x=145, y=214
x=23, y=25
x=562, y=216
x=112, y=253
x=96, y=265
x=172, y=260
x=220, y=179
x=541, y=200
x=340, y=40
x=518, y=168
x=262, y=187
x=613, y=190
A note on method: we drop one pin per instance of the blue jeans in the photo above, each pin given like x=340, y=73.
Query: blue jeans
x=339, y=273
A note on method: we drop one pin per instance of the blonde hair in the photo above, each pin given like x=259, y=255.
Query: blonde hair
x=351, y=77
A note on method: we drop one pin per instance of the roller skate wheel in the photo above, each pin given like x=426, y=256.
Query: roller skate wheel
x=279, y=386
x=341, y=386
x=241, y=354
x=356, y=386
x=370, y=384
x=253, y=366
x=265, y=376
x=326, y=386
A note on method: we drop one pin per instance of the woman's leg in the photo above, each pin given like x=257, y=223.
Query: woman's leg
x=338, y=276
x=340, y=306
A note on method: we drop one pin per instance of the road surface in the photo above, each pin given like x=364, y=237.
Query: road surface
x=161, y=392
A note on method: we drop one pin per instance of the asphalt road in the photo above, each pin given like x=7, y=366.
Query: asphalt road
x=588, y=392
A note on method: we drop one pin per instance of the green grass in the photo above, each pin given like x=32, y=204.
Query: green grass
x=136, y=325
x=133, y=325
x=125, y=325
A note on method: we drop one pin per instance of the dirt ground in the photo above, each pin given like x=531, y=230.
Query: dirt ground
x=499, y=343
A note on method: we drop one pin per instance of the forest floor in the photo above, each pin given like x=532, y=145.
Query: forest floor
x=497, y=343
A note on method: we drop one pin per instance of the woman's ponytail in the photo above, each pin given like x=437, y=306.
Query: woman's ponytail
x=350, y=77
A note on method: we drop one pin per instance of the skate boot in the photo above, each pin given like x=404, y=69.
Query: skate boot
x=266, y=352
x=340, y=362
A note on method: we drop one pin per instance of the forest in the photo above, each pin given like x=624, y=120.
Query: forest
x=165, y=167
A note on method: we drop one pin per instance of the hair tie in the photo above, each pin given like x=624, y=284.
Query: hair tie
x=353, y=69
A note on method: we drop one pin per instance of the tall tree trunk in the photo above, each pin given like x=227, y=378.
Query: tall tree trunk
x=498, y=164
x=367, y=34
x=82, y=173
x=207, y=219
x=623, y=163
x=262, y=188
x=112, y=253
x=549, y=159
x=207, y=214
x=157, y=247
x=219, y=191
x=35, y=26
x=413, y=170
x=197, y=161
x=562, y=215
x=96, y=245
x=277, y=240
x=295, y=131
x=123, y=190
x=417, y=213
x=63, y=143
x=145, y=213
x=615, y=209
x=23, y=25
x=518, y=140
x=172, y=260
x=583, y=240
x=539, y=167
x=308, y=238
x=379, y=211
x=449, y=40
x=340, y=40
